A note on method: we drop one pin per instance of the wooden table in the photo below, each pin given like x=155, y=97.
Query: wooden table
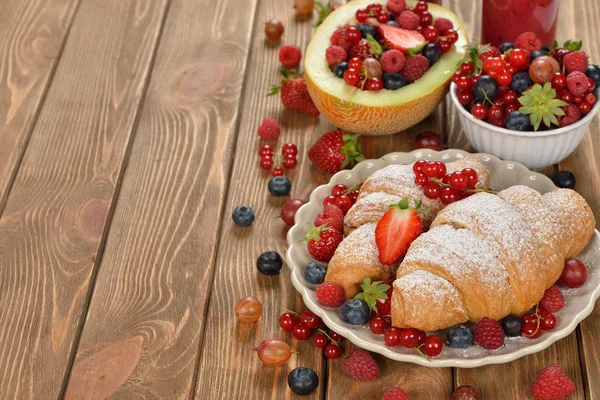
x=127, y=137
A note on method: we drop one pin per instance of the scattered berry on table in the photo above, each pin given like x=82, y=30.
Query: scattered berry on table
x=335, y=150
x=330, y=295
x=465, y=392
x=294, y=94
x=301, y=332
x=395, y=232
x=489, y=334
x=269, y=263
x=243, y=216
x=320, y=340
x=528, y=41
x=432, y=52
x=378, y=325
x=290, y=161
x=551, y=383
x=335, y=336
x=517, y=121
x=396, y=393
x=277, y=171
x=564, y=179
x=393, y=81
x=355, y=312
x=392, y=337
x=322, y=241
x=512, y=325
x=310, y=319
x=266, y=162
x=269, y=129
x=248, y=309
x=315, y=272
x=332, y=351
x=331, y=216
x=265, y=150
x=288, y=210
x=553, y=300
x=576, y=61
x=304, y=6
x=273, y=353
x=361, y=365
x=279, y=186
x=459, y=336
x=290, y=56
x=428, y=140
x=287, y=321
x=577, y=83
x=274, y=29
x=303, y=381
x=574, y=274
x=432, y=346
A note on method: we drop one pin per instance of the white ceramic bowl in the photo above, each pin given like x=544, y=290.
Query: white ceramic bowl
x=580, y=302
x=535, y=150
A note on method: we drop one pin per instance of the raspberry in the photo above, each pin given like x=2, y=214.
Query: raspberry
x=442, y=25
x=335, y=55
x=337, y=35
x=332, y=216
x=489, y=334
x=361, y=365
x=290, y=56
x=393, y=61
x=408, y=20
x=576, y=61
x=572, y=115
x=396, y=6
x=360, y=49
x=340, y=38
x=552, y=384
x=269, y=129
x=577, y=83
x=415, y=67
x=492, y=51
x=395, y=394
x=553, y=300
x=330, y=295
x=528, y=41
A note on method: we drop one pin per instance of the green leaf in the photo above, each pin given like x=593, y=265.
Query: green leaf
x=546, y=119
x=525, y=110
x=374, y=46
x=526, y=100
x=371, y=292
x=555, y=45
x=323, y=10
x=557, y=111
x=274, y=90
x=553, y=119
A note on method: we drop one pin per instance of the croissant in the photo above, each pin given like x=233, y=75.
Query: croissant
x=489, y=256
x=357, y=257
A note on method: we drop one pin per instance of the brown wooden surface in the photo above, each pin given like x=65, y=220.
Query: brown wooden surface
x=119, y=263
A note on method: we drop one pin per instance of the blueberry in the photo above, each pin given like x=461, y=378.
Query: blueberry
x=339, y=69
x=315, y=272
x=504, y=47
x=488, y=85
x=432, y=52
x=520, y=82
x=393, y=81
x=243, y=216
x=593, y=71
x=459, y=337
x=564, y=179
x=545, y=49
x=512, y=325
x=303, y=381
x=391, y=16
x=393, y=23
x=367, y=29
x=280, y=186
x=515, y=121
x=269, y=263
x=355, y=312
x=535, y=54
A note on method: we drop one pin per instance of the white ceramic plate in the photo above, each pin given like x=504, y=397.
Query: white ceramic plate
x=579, y=302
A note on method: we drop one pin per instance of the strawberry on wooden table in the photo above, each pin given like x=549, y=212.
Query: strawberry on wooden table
x=395, y=232
x=294, y=94
x=335, y=151
x=322, y=242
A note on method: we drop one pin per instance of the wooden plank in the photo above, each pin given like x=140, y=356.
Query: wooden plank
x=149, y=303
x=54, y=222
x=514, y=380
x=31, y=39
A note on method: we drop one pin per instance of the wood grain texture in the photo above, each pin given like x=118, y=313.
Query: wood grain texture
x=147, y=314
x=585, y=163
x=32, y=34
x=52, y=228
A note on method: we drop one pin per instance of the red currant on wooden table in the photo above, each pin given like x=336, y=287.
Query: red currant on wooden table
x=432, y=346
x=310, y=319
x=392, y=337
x=301, y=332
x=290, y=161
x=277, y=171
x=287, y=321
x=335, y=336
x=428, y=140
x=266, y=162
x=320, y=340
x=289, y=148
x=265, y=150
x=273, y=29
x=378, y=325
x=332, y=351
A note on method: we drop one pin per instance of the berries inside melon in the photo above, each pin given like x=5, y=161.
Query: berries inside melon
x=365, y=107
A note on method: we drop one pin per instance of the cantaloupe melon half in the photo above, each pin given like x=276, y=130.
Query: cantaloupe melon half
x=387, y=111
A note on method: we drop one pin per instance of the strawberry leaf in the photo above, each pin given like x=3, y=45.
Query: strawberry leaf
x=371, y=292
x=352, y=150
x=324, y=10
x=416, y=50
x=374, y=46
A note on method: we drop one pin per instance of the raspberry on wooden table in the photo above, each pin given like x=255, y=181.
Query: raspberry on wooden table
x=290, y=56
x=489, y=334
x=330, y=295
x=553, y=300
x=361, y=365
x=269, y=129
x=552, y=384
x=396, y=393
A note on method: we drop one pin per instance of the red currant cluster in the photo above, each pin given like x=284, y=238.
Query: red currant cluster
x=374, y=10
x=289, y=151
x=432, y=176
x=428, y=346
x=534, y=323
x=343, y=197
x=302, y=326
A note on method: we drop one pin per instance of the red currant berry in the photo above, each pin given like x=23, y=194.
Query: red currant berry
x=374, y=9
x=361, y=15
x=511, y=69
x=495, y=112
x=449, y=195
x=374, y=84
x=504, y=79
x=479, y=111
x=277, y=171
x=510, y=108
x=421, y=6
x=266, y=162
x=475, y=78
x=335, y=336
x=426, y=19
x=353, y=34
x=383, y=17
x=355, y=63
x=411, y=337
x=584, y=108
x=432, y=346
x=266, y=150
x=467, y=68
x=574, y=274
x=458, y=181
x=351, y=77
x=442, y=170
x=418, y=167
x=452, y=36
x=592, y=85
x=456, y=77
x=353, y=197
x=392, y=337
x=421, y=180
x=590, y=98
x=465, y=97
x=430, y=33
x=445, y=45
x=431, y=169
x=531, y=330
x=338, y=190
x=529, y=317
x=329, y=201
x=320, y=340
x=518, y=58
x=548, y=322
x=428, y=140
x=464, y=83
x=290, y=161
x=301, y=332
x=565, y=96
x=287, y=321
x=343, y=202
x=577, y=99
x=378, y=325
x=289, y=148
x=332, y=351
x=559, y=81
x=510, y=97
x=310, y=320
x=432, y=190
x=472, y=178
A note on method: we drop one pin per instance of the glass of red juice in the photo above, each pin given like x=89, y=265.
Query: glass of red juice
x=503, y=20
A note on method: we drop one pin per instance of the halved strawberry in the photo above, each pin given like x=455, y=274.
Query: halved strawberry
x=401, y=39
x=395, y=232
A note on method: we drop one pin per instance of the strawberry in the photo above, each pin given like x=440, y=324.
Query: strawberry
x=401, y=39
x=395, y=232
x=294, y=94
x=384, y=306
x=333, y=217
x=334, y=151
x=322, y=242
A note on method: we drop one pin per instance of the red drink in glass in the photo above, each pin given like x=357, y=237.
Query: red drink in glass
x=503, y=20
